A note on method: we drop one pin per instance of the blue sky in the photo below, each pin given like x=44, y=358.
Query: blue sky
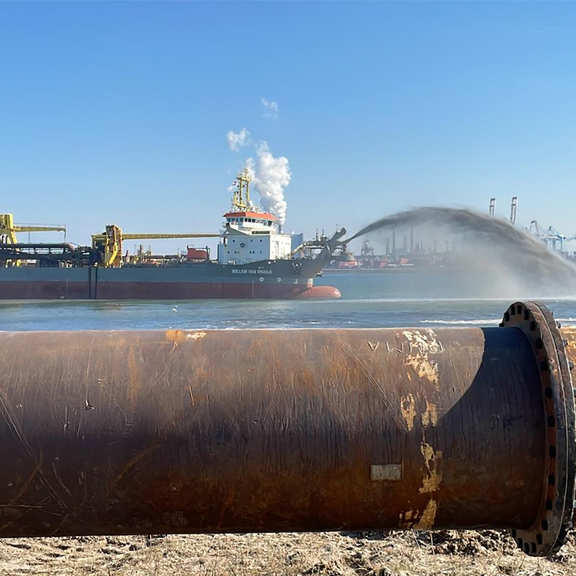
x=118, y=112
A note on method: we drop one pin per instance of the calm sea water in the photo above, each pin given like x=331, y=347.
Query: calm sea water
x=380, y=299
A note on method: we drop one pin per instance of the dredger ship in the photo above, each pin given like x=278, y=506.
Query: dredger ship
x=254, y=260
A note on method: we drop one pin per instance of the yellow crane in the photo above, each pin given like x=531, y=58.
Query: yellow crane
x=241, y=198
x=8, y=230
x=110, y=242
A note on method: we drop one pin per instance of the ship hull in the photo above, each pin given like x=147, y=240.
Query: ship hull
x=280, y=279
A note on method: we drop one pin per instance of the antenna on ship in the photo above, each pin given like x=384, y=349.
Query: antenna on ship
x=241, y=198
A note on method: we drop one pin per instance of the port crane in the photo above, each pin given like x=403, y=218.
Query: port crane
x=109, y=243
x=555, y=237
x=550, y=236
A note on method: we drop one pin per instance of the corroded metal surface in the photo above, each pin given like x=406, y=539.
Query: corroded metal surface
x=549, y=529
x=569, y=334
x=259, y=430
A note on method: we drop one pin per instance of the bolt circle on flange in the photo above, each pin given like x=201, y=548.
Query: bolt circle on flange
x=548, y=533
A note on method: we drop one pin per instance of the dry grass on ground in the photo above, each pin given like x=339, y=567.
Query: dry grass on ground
x=447, y=553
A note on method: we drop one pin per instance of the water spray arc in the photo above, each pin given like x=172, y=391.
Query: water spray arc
x=530, y=253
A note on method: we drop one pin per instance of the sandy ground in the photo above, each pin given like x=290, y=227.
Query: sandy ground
x=447, y=553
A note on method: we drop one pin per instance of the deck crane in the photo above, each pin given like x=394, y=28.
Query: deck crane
x=109, y=243
x=8, y=230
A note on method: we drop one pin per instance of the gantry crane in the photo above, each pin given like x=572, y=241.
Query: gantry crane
x=536, y=230
x=551, y=237
x=109, y=243
x=555, y=237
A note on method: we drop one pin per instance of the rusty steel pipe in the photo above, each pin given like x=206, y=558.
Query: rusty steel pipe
x=294, y=430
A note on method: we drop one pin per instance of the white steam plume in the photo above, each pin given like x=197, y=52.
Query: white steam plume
x=270, y=175
x=270, y=108
x=238, y=140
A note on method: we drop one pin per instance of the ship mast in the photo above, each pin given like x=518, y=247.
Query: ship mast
x=241, y=198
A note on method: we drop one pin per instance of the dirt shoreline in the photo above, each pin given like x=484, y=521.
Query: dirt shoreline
x=446, y=553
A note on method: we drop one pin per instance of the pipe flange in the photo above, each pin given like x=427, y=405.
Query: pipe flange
x=549, y=531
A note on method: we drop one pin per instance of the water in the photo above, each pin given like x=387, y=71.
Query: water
x=514, y=266
x=393, y=298
x=514, y=252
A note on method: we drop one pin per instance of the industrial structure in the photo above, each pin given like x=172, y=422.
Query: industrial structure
x=513, y=208
x=9, y=241
x=549, y=235
x=291, y=430
x=249, y=236
x=437, y=253
x=110, y=243
x=492, y=207
x=254, y=260
x=8, y=229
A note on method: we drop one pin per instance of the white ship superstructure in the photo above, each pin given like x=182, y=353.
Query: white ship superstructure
x=250, y=234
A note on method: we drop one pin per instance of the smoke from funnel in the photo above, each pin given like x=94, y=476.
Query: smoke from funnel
x=270, y=175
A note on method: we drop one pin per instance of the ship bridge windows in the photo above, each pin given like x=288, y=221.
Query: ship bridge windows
x=241, y=221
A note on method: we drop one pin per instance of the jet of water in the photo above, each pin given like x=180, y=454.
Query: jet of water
x=524, y=252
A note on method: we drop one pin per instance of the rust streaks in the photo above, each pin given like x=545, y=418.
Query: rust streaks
x=251, y=430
